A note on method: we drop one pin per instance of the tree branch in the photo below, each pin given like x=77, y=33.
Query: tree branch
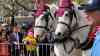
x=22, y=6
x=7, y=8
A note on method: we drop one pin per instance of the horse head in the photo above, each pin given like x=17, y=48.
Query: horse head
x=44, y=22
x=41, y=25
x=63, y=25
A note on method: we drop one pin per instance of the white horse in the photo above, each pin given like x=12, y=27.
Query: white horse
x=45, y=21
x=42, y=24
x=70, y=32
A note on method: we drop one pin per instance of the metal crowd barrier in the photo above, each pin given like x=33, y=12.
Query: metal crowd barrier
x=42, y=49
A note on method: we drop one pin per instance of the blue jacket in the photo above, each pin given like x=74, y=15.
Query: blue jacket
x=95, y=51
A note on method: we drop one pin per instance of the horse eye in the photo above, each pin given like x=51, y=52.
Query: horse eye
x=66, y=14
x=63, y=35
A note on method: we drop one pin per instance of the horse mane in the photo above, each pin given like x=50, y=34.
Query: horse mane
x=53, y=20
x=85, y=45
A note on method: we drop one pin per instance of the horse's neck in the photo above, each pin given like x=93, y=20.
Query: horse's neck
x=82, y=21
x=53, y=7
x=39, y=21
x=81, y=16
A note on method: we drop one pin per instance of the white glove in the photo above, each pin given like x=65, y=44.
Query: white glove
x=15, y=43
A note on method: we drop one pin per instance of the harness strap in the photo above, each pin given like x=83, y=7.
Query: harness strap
x=74, y=14
x=46, y=15
x=79, y=28
x=44, y=27
x=65, y=24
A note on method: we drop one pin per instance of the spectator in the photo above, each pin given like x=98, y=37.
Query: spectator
x=93, y=11
x=4, y=44
x=15, y=38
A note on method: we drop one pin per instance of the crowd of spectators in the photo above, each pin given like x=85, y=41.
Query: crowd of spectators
x=19, y=40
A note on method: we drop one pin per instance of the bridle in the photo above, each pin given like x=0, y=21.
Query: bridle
x=71, y=14
x=46, y=18
x=76, y=27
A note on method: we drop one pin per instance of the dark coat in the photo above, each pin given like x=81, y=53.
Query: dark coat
x=12, y=37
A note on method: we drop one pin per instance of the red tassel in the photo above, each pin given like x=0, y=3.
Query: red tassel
x=91, y=35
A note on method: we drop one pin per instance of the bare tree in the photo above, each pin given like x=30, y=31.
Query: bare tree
x=11, y=7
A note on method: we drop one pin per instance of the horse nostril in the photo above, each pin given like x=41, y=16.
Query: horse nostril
x=59, y=34
x=37, y=35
